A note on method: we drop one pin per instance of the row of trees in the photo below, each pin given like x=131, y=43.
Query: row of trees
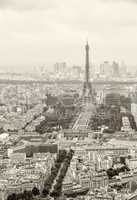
x=118, y=100
x=111, y=172
x=58, y=186
x=109, y=116
x=131, y=120
x=60, y=117
x=54, y=171
x=51, y=122
x=28, y=195
x=35, y=117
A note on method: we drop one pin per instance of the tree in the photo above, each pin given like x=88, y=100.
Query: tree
x=13, y=196
x=66, y=162
x=9, y=197
x=27, y=195
x=133, y=186
x=20, y=196
x=45, y=192
x=112, y=172
x=112, y=99
x=35, y=191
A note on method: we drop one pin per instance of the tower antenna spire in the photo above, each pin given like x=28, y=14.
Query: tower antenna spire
x=87, y=40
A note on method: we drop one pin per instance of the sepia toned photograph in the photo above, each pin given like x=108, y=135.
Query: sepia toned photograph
x=68, y=100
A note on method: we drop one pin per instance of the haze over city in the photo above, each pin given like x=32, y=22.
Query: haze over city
x=68, y=100
x=35, y=33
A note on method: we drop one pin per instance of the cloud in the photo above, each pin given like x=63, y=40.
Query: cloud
x=40, y=31
x=27, y=5
x=23, y=5
x=118, y=1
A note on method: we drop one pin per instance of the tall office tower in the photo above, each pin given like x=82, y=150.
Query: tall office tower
x=87, y=87
x=60, y=67
x=76, y=71
x=115, y=68
x=105, y=69
x=123, y=69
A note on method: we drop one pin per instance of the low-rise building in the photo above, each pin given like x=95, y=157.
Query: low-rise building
x=100, y=180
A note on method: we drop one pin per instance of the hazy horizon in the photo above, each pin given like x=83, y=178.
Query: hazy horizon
x=40, y=33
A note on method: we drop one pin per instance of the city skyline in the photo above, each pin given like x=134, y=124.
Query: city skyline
x=42, y=33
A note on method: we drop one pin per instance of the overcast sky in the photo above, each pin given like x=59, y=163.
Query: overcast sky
x=42, y=32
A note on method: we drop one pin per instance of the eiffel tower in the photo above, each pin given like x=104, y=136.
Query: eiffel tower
x=87, y=87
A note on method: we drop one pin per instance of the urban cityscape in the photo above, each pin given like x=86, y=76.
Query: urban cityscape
x=68, y=129
x=71, y=135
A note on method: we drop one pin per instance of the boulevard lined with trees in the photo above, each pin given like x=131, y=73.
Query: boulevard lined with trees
x=63, y=159
x=110, y=114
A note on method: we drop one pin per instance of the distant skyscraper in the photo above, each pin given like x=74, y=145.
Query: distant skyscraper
x=60, y=67
x=76, y=71
x=115, y=68
x=105, y=69
x=123, y=69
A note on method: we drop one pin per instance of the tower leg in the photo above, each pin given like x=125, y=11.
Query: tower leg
x=87, y=90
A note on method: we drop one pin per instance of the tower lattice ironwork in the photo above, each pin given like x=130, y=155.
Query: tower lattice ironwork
x=87, y=87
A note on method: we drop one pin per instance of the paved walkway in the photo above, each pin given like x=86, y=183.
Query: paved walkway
x=84, y=117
